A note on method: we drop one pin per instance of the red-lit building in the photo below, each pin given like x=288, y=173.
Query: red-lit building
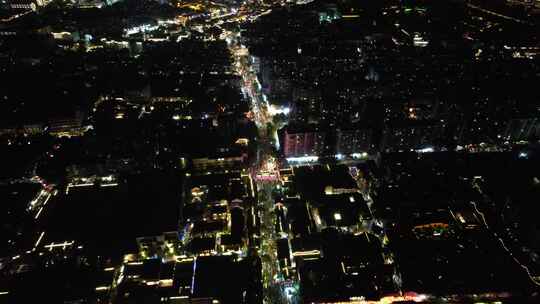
x=302, y=142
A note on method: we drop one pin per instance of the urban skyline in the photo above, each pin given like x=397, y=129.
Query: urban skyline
x=268, y=152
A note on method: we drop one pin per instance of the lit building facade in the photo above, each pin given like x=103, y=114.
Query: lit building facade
x=350, y=141
x=304, y=142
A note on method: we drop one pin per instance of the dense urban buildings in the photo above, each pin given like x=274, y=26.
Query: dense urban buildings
x=239, y=152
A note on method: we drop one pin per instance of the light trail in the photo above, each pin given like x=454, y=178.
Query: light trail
x=11, y=18
x=527, y=270
x=193, y=276
x=39, y=213
x=109, y=185
x=39, y=239
x=496, y=14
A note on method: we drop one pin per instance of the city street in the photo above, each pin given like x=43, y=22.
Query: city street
x=273, y=292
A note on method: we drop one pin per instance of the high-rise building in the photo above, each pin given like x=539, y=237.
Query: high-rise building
x=307, y=106
x=411, y=136
x=304, y=141
x=23, y=4
x=350, y=141
x=19, y=4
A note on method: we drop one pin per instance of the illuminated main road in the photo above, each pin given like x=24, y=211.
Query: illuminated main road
x=273, y=290
x=251, y=87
